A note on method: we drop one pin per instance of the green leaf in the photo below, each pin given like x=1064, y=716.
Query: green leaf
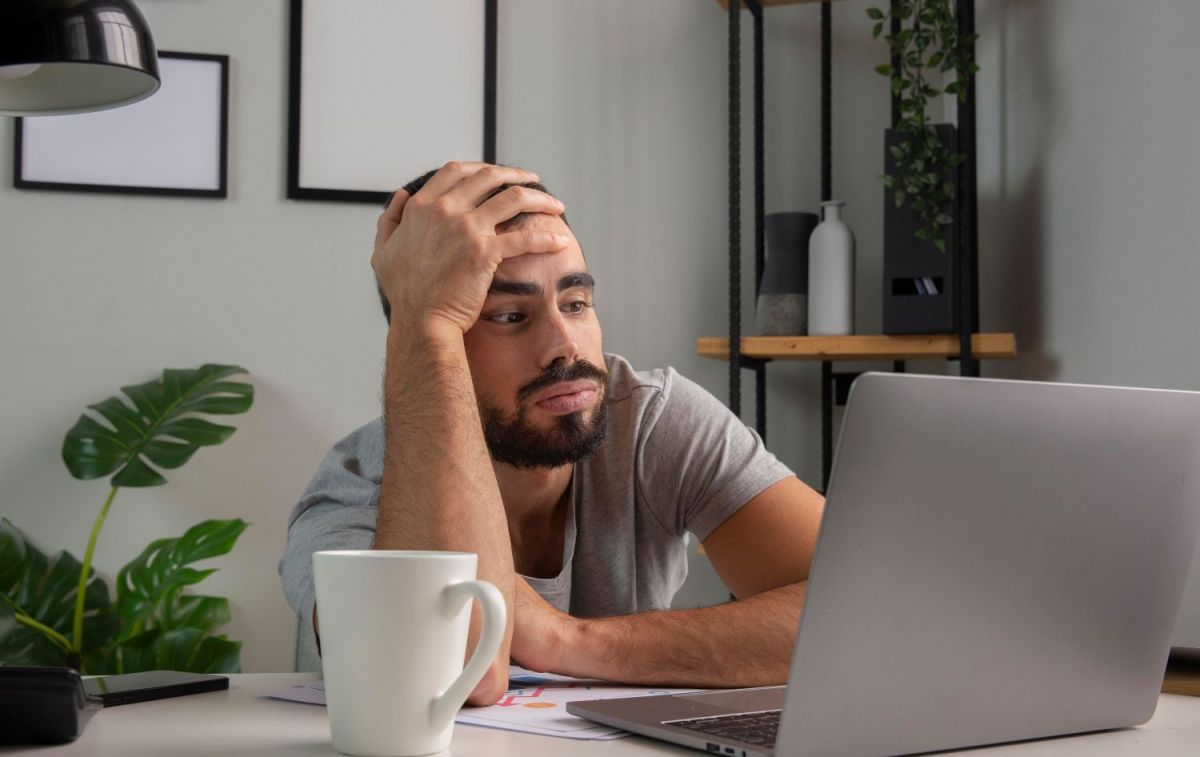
x=884, y=69
x=44, y=588
x=197, y=431
x=138, y=474
x=130, y=438
x=875, y=31
x=189, y=649
x=148, y=588
x=188, y=611
x=186, y=649
x=216, y=654
x=940, y=244
x=139, y=653
x=175, y=649
x=875, y=14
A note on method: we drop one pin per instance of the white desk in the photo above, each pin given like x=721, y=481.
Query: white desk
x=241, y=722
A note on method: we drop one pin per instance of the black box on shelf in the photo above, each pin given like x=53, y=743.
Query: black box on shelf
x=920, y=292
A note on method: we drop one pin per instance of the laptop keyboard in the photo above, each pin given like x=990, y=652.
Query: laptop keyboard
x=758, y=728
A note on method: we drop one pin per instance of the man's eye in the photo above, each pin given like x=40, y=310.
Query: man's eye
x=577, y=306
x=506, y=317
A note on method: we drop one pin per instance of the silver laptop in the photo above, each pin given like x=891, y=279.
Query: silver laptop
x=998, y=561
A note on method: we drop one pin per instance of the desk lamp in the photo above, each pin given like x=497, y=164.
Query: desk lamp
x=73, y=56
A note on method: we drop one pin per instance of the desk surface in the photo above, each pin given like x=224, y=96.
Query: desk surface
x=240, y=721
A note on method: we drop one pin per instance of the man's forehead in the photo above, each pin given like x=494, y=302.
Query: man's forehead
x=545, y=266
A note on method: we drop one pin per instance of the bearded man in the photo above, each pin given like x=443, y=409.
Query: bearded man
x=508, y=432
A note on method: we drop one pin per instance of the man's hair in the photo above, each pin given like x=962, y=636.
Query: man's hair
x=518, y=221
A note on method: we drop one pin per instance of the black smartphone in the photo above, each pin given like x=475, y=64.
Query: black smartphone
x=156, y=684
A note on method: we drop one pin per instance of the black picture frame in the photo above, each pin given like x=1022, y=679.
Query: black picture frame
x=295, y=190
x=48, y=135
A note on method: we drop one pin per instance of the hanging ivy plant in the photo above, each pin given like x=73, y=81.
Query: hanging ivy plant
x=927, y=42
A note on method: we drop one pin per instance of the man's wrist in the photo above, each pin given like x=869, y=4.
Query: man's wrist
x=571, y=646
x=424, y=339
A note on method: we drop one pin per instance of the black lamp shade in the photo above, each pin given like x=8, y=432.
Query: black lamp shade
x=73, y=56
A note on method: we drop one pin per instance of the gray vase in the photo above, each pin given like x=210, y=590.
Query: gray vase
x=782, y=307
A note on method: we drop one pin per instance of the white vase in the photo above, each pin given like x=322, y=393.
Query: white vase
x=831, y=274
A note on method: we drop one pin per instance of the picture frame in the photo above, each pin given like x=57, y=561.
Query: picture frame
x=378, y=93
x=174, y=143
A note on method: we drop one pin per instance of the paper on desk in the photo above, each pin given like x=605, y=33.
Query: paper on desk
x=535, y=703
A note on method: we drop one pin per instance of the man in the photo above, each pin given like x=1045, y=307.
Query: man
x=508, y=432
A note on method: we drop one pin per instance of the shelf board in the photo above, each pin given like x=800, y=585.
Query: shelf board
x=860, y=347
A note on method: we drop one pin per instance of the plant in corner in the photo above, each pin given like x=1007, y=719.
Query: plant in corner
x=57, y=610
x=927, y=42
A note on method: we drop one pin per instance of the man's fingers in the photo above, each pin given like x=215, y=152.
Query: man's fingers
x=389, y=219
x=447, y=177
x=514, y=243
x=471, y=191
x=514, y=201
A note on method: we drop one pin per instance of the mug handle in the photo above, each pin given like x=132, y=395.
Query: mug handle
x=491, y=601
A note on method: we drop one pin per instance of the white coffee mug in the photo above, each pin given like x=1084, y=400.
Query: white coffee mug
x=393, y=629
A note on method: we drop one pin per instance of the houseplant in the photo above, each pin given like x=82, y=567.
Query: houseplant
x=926, y=47
x=58, y=611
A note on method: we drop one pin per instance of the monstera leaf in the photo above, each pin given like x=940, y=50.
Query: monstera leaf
x=156, y=425
x=187, y=649
x=162, y=628
x=154, y=625
x=42, y=589
x=150, y=588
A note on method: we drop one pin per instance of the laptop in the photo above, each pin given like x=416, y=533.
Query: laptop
x=998, y=561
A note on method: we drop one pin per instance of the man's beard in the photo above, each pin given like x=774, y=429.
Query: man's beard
x=515, y=441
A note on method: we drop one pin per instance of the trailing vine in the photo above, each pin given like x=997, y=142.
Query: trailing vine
x=928, y=41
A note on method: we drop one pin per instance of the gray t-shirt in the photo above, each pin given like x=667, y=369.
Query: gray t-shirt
x=675, y=460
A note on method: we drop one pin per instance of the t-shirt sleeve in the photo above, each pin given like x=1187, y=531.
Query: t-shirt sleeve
x=337, y=511
x=698, y=462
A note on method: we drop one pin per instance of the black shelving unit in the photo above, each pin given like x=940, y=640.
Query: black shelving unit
x=834, y=384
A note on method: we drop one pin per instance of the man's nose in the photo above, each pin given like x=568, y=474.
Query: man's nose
x=557, y=340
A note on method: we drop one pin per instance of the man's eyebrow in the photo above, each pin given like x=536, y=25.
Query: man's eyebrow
x=580, y=279
x=530, y=289
x=527, y=288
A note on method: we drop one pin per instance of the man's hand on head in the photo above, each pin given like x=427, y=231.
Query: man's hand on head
x=437, y=251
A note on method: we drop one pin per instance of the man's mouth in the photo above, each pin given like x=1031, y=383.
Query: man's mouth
x=567, y=397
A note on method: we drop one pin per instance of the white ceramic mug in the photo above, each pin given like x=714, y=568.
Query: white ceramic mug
x=393, y=627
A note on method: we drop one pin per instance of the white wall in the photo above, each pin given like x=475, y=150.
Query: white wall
x=621, y=108
x=1089, y=185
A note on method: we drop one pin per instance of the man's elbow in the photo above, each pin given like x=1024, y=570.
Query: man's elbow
x=491, y=687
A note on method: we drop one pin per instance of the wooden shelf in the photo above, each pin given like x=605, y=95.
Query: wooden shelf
x=859, y=347
x=1183, y=672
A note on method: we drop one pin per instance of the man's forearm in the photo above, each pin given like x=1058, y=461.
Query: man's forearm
x=744, y=643
x=439, y=490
